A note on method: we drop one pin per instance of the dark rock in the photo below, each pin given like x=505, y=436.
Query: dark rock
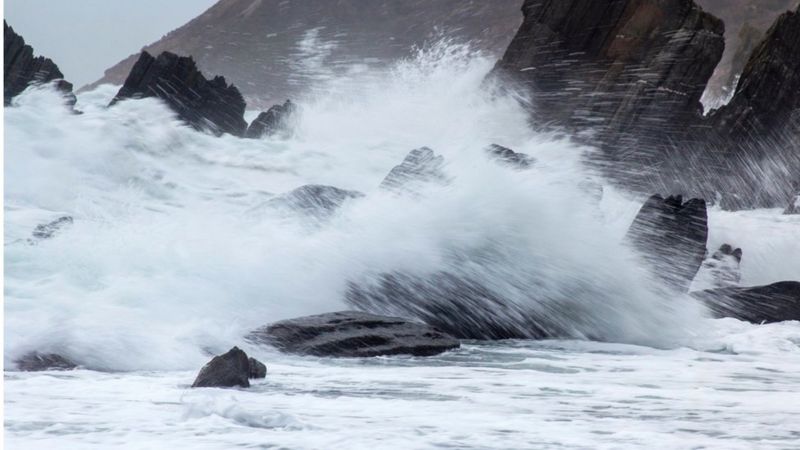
x=509, y=157
x=274, y=120
x=420, y=166
x=50, y=229
x=313, y=200
x=671, y=236
x=768, y=92
x=228, y=370
x=722, y=268
x=204, y=104
x=35, y=362
x=760, y=304
x=257, y=369
x=22, y=69
x=354, y=334
x=624, y=67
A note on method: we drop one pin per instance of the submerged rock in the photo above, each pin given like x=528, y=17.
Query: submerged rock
x=313, y=200
x=36, y=362
x=204, y=104
x=421, y=165
x=776, y=302
x=50, y=229
x=671, y=237
x=22, y=69
x=354, y=334
x=233, y=368
x=274, y=120
x=509, y=157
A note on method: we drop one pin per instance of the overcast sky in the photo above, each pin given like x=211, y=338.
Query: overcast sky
x=86, y=37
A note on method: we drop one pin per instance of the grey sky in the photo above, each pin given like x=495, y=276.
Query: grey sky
x=85, y=37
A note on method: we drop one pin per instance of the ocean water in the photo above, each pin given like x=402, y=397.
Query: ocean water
x=173, y=254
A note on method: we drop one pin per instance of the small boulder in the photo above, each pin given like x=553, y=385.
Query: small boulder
x=721, y=269
x=268, y=123
x=257, y=369
x=50, y=229
x=794, y=206
x=204, y=104
x=510, y=158
x=671, y=237
x=36, y=362
x=776, y=302
x=420, y=166
x=231, y=369
x=353, y=334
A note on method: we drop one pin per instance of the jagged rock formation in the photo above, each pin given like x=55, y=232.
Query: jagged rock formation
x=767, y=98
x=50, y=229
x=21, y=68
x=233, y=368
x=421, y=166
x=353, y=334
x=204, y=104
x=794, y=206
x=272, y=121
x=671, y=237
x=623, y=67
x=746, y=21
x=273, y=49
x=760, y=304
x=721, y=269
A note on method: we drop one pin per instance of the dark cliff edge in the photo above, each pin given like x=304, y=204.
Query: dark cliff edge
x=21, y=68
x=628, y=75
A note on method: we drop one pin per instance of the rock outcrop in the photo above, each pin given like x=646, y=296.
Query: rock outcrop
x=767, y=98
x=671, y=236
x=204, y=104
x=794, y=206
x=36, y=362
x=420, y=166
x=274, y=120
x=776, y=302
x=353, y=334
x=22, y=69
x=627, y=68
x=231, y=369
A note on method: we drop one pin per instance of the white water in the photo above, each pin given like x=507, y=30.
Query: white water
x=171, y=256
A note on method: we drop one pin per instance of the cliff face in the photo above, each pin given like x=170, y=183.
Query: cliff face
x=622, y=67
x=21, y=68
x=271, y=49
x=767, y=98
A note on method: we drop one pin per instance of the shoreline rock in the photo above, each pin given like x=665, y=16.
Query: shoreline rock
x=772, y=303
x=206, y=105
x=353, y=334
x=230, y=369
x=271, y=122
x=37, y=362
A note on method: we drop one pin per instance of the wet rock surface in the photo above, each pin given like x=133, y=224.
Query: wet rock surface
x=313, y=200
x=231, y=369
x=36, y=362
x=722, y=268
x=273, y=121
x=353, y=334
x=211, y=105
x=510, y=158
x=50, y=229
x=22, y=69
x=671, y=236
x=776, y=302
x=420, y=166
